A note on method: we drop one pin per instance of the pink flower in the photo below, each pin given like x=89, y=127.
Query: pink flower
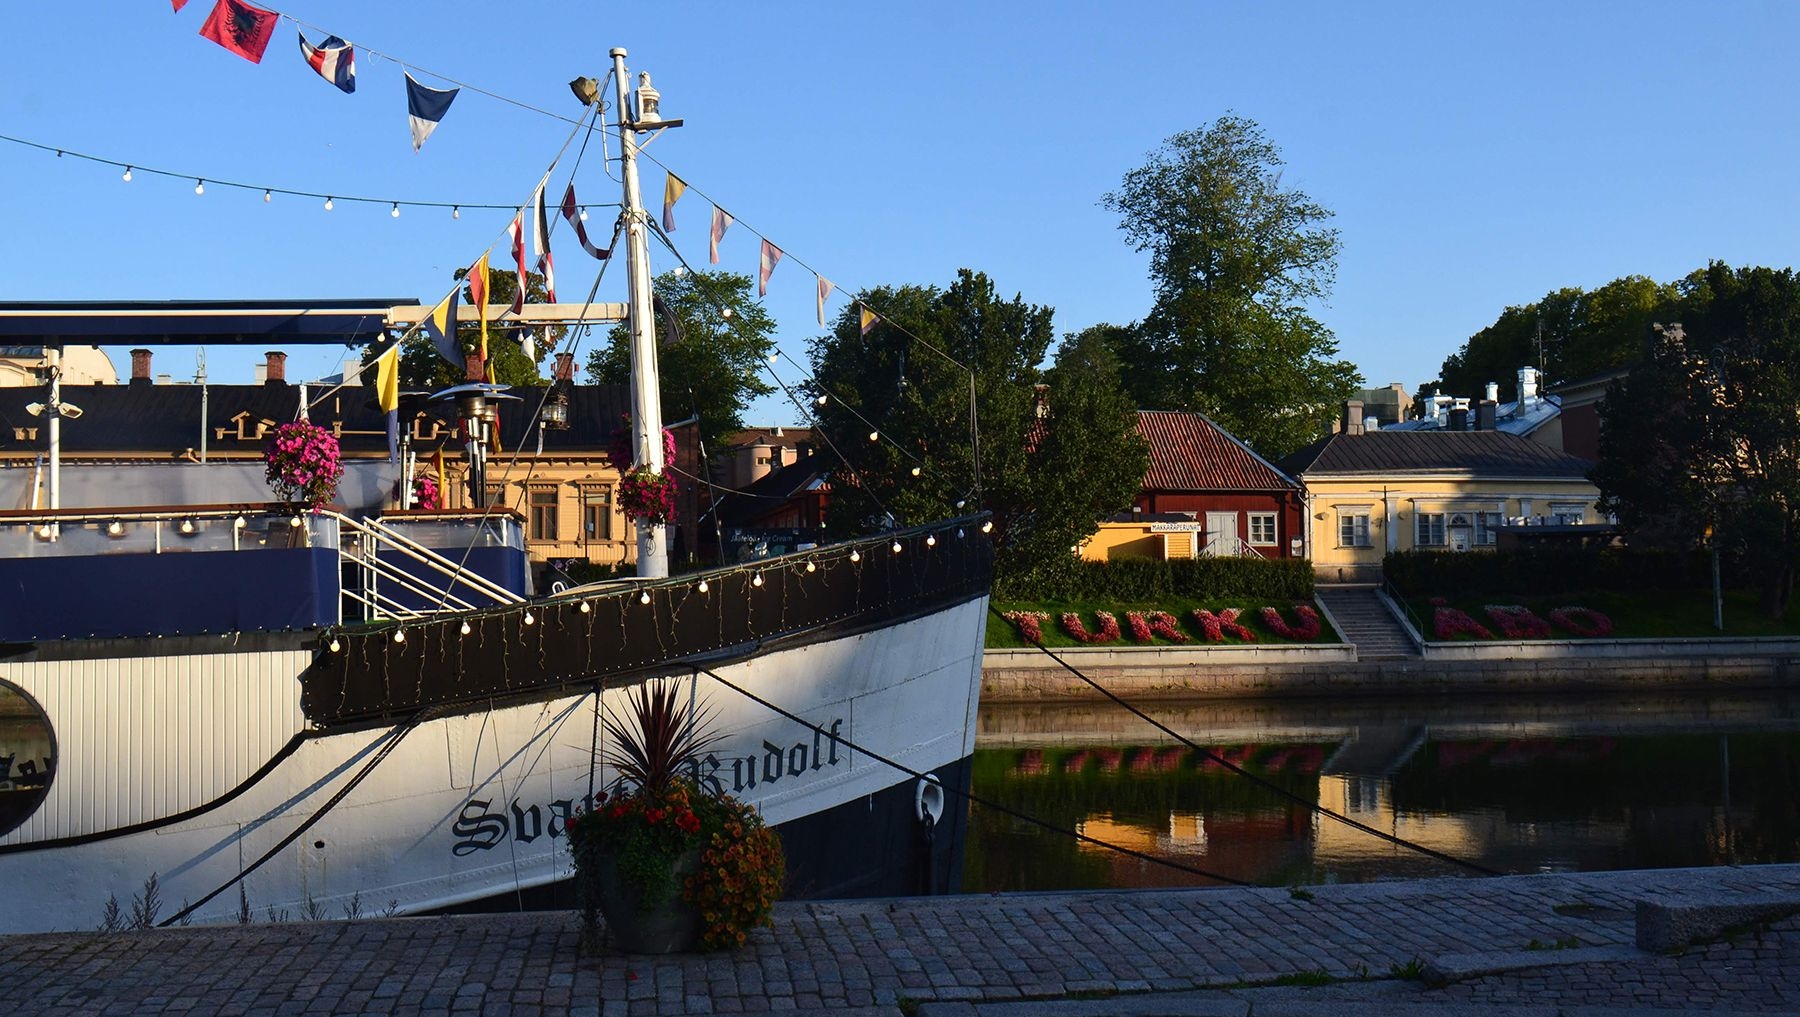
x=1029, y=623
x=1516, y=621
x=1109, y=627
x=1215, y=627
x=1583, y=621
x=1307, y=628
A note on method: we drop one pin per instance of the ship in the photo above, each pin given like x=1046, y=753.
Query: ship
x=215, y=707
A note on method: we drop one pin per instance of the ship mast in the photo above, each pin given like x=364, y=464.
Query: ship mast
x=646, y=402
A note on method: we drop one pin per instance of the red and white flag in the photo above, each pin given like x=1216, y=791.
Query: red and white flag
x=825, y=288
x=721, y=223
x=241, y=28
x=517, y=232
x=572, y=212
x=770, y=255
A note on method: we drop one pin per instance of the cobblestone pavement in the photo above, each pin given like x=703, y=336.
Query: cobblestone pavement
x=1340, y=950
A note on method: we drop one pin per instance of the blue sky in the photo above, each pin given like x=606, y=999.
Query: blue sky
x=1476, y=155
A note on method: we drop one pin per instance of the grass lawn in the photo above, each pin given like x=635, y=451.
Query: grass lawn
x=1634, y=616
x=1003, y=635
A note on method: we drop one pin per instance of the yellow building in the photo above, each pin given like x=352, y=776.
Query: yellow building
x=1369, y=493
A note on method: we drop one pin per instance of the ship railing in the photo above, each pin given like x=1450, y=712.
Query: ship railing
x=381, y=579
x=67, y=533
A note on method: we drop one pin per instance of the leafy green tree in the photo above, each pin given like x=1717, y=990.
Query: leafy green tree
x=1570, y=333
x=1236, y=257
x=715, y=364
x=422, y=368
x=1702, y=436
x=1052, y=459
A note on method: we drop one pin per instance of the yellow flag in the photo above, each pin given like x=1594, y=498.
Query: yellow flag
x=673, y=189
x=387, y=380
x=869, y=318
x=478, y=290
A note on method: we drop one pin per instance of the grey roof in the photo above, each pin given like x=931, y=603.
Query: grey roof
x=1508, y=417
x=1476, y=453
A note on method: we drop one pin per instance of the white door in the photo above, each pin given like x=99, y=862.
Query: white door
x=1222, y=533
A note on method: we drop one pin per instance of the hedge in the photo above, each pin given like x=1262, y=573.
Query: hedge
x=1129, y=580
x=1546, y=572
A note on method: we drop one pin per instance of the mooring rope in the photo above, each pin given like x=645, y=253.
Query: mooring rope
x=1264, y=782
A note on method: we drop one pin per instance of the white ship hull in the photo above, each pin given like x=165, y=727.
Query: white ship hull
x=194, y=767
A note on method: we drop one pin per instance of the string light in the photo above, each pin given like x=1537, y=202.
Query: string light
x=456, y=211
x=294, y=521
x=896, y=547
x=756, y=580
x=199, y=186
x=931, y=541
x=959, y=533
x=856, y=556
x=702, y=587
x=127, y=176
x=874, y=435
x=327, y=203
x=399, y=635
x=584, y=214
x=821, y=400
x=775, y=358
x=987, y=527
x=810, y=567
x=530, y=619
x=268, y=196
x=396, y=210
x=915, y=471
x=466, y=629
x=115, y=528
x=724, y=312
x=644, y=597
x=334, y=646
x=586, y=607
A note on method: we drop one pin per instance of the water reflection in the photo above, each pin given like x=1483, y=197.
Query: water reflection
x=1513, y=783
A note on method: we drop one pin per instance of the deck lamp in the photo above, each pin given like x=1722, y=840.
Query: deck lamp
x=187, y=527
x=115, y=529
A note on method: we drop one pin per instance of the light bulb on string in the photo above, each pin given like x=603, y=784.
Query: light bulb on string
x=199, y=187
x=702, y=587
x=756, y=580
x=456, y=211
x=724, y=312
x=396, y=210
x=856, y=556
x=127, y=176
x=679, y=270
x=328, y=204
x=822, y=400
x=896, y=547
x=530, y=619
x=987, y=527
x=586, y=607
x=399, y=635
x=915, y=471
x=810, y=567
x=466, y=629
x=775, y=358
x=584, y=213
x=644, y=597
x=931, y=541
x=268, y=196
x=334, y=646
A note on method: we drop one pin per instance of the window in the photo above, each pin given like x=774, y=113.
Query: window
x=1262, y=528
x=1428, y=529
x=596, y=513
x=496, y=495
x=1353, y=529
x=1567, y=515
x=1487, y=527
x=542, y=506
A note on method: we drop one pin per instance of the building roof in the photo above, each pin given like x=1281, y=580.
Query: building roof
x=138, y=419
x=772, y=491
x=1188, y=452
x=1508, y=417
x=352, y=322
x=786, y=437
x=1476, y=453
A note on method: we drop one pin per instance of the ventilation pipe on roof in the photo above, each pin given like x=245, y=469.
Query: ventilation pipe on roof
x=140, y=367
x=1493, y=392
x=1486, y=414
x=1528, y=387
x=1353, y=417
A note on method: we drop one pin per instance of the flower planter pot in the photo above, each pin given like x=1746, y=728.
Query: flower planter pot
x=672, y=927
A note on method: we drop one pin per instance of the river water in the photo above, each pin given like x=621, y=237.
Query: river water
x=1515, y=783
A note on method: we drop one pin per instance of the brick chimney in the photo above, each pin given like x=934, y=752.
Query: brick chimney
x=1353, y=421
x=276, y=368
x=140, y=367
x=565, y=368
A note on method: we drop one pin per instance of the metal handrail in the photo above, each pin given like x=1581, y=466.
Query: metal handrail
x=379, y=534
x=1399, y=600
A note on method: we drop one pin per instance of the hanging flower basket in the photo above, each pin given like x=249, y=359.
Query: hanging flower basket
x=647, y=495
x=622, y=452
x=425, y=492
x=304, y=464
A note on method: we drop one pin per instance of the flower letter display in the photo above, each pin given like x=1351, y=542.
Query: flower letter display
x=304, y=464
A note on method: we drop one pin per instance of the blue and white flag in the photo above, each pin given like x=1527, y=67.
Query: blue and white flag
x=334, y=59
x=426, y=106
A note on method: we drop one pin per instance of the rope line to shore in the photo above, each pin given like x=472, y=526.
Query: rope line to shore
x=1269, y=784
x=974, y=798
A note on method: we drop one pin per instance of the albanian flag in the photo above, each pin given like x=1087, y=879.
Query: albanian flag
x=241, y=28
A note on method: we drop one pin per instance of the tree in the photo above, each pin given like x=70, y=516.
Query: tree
x=714, y=365
x=1570, y=333
x=422, y=368
x=1051, y=458
x=1701, y=440
x=1235, y=257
